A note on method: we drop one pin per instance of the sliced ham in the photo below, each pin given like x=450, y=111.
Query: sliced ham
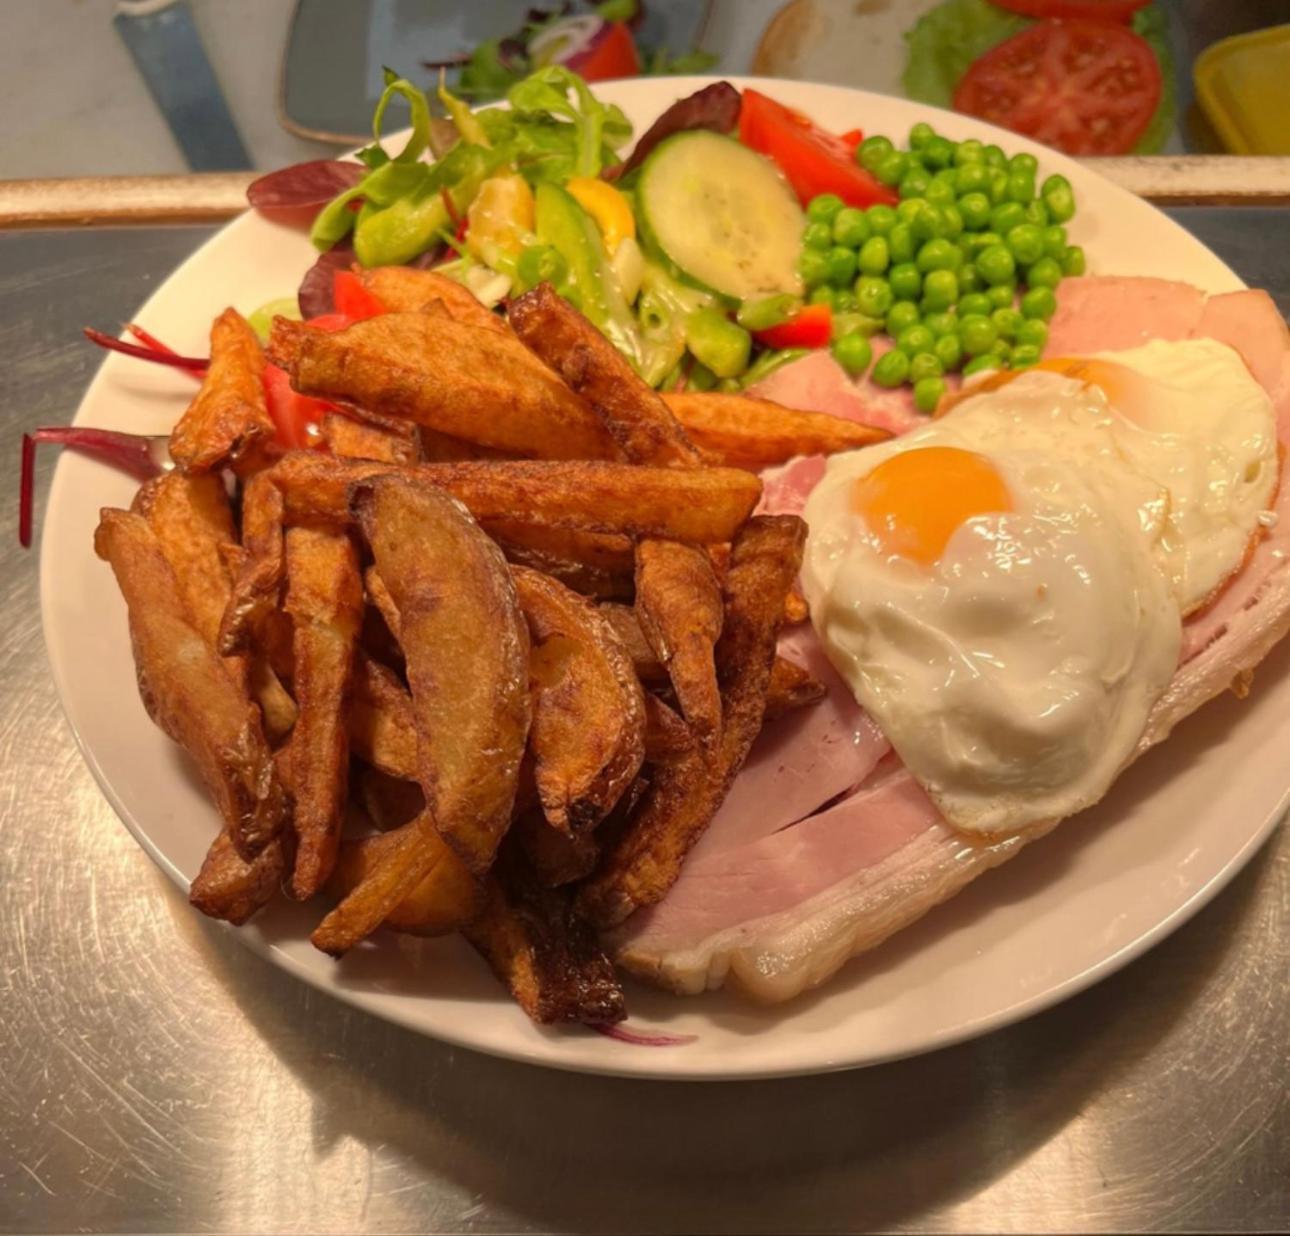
x=780, y=913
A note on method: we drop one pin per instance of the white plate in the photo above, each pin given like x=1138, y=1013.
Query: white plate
x=1069, y=910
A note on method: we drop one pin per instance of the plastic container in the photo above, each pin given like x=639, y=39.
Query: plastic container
x=1243, y=84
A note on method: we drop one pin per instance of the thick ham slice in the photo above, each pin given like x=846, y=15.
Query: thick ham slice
x=780, y=913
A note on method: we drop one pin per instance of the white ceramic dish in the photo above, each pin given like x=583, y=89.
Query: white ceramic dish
x=1071, y=909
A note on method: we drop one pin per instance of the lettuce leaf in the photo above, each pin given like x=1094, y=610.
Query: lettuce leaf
x=1152, y=24
x=947, y=39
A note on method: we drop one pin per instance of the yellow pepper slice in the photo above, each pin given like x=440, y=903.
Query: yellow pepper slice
x=607, y=207
x=501, y=217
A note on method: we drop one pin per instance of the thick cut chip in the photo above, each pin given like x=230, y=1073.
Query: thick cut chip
x=229, y=415
x=259, y=580
x=588, y=733
x=418, y=861
x=382, y=725
x=186, y=689
x=350, y=438
x=685, y=794
x=402, y=289
x=463, y=380
x=742, y=432
x=556, y=857
x=389, y=802
x=666, y=733
x=325, y=602
x=694, y=505
x=230, y=888
x=379, y=596
x=467, y=648
x=678, y=603
x=444, y=901
x=791, y=687
x=639, y=420
x=544, y=953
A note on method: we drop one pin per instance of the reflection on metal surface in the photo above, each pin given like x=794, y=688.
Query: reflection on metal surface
x=158, y=1076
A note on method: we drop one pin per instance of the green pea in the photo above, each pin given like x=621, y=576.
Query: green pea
x=1059, y=198
x=973, y=178
x=977, y=334
x=892, y=369
x=842, y=264
x=1032, y=333
x=1073, y=261
x=1044, y=273
x=975, y=210
x=939, y=152
x=844, y=323
x=1026, y=243
x=1040, y=302
x=892, y=167
x=975, y=303
x=915, y=339
x=900, y=243
x=1037, y=213
x=872, y=151
x=998, y=187
x=813, y=266
x=868, y=325
x=987, y=360
x=925, y=365
x=996, y=264
x=1024, y=355
x=920, y=135
x=1002, y=349
x=928, y=393
x=873, y=296
x=952, y=221
x=875, y=256
x=1054, y=182
x=1006, y=216
x=915, y=183
x=1054, y=241
x=853, y=352
x=1022, y=162
x=941, y=289
x=767, y=312
x=970, y=151
x=818, y=235
x=845, y=301
x=902, y=315
x=938, y=255
x=993, y=157
x=824, y=207
x=906, y=281
x=949, y=351
x=1001, y=295
x=970, y=278
x=941, y=192
x=941, y=322
x=823, y=295
x=910, y=209
x=976, y=242
x=851, y=227
x=881, y=219
x=1006, y=322
x=1021, y=187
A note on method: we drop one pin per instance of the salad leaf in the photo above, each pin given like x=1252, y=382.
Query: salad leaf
x=547, y=92
x=1152, y=24
x=947, y=39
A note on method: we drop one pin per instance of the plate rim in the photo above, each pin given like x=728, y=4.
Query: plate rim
x=537, y=1050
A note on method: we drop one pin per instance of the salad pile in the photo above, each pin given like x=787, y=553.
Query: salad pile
x=737, y=237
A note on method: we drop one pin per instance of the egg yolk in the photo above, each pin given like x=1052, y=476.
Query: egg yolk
x=916, y=500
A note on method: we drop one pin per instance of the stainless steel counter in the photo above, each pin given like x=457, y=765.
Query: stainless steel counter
x=156, y=1076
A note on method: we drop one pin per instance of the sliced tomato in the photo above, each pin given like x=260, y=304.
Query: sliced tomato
x=295, y=416
x=614, y=55
x=851, y=139
x=1066, y=10
x=811, y=328
x=329, y=322
x=351, y=297
x=814, y=160
x=1088, y=88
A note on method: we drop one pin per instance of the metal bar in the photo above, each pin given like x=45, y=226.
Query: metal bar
x=1191, y=180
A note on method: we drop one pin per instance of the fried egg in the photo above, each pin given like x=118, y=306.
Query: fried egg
x=1004, y=588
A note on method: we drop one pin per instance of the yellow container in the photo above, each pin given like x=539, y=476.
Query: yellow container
x=1243, y=84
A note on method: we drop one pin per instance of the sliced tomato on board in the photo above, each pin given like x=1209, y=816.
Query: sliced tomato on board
x=1066, y=10
x=814, y=160
x=1088, y=88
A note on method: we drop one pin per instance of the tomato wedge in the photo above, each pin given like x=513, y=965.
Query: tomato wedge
x=811, y=328
x=352, y=299
x=1066, y=10
x=814, y=160
x=1088, y=88
x=294, y=415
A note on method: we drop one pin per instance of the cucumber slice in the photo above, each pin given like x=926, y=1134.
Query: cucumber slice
x=722, y=214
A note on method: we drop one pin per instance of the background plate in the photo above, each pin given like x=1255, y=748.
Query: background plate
x=1070, y=909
